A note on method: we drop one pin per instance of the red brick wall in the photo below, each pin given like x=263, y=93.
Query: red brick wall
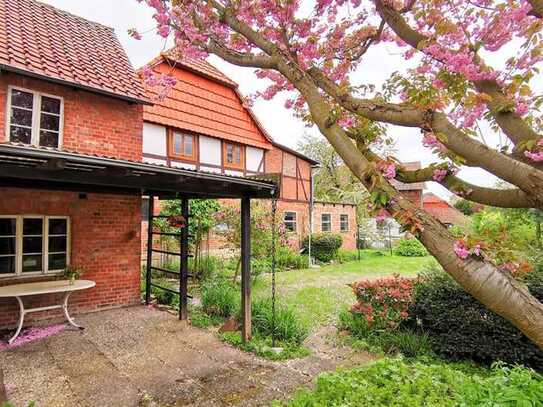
x=335, y=210
x=105, y=243
x=295, y=171
x=93, y=124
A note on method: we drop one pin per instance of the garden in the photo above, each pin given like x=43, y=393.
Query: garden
x=434, y=343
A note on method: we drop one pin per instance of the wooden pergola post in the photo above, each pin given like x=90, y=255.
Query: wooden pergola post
x=150, y=214
x=246, y=269
x=184, y=262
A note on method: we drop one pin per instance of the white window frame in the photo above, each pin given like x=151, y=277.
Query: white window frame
x=341, y=222
x=295, y=221
x=322, y=222
x=45, y=245
x=36, y=115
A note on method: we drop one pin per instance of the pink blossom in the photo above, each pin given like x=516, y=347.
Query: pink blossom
x=439, y=84
x=477, y=250
x=34, y=334
x=381, y=215
x=388, y=169
x=134, y=34
x=534, y=156
x=440, y=174
x=461, y=250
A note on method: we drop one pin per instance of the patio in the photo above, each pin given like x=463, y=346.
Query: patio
x=139, y=356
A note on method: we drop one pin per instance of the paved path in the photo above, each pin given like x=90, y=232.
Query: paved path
x=140, y=357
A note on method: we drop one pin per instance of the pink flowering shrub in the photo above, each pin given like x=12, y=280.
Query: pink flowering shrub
x=383, y=303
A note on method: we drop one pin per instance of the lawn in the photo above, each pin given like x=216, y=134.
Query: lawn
x=319, y=294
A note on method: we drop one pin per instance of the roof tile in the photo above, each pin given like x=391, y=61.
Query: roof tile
x=51, y=43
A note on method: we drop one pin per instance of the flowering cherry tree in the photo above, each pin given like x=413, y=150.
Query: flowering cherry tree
x=309, y=50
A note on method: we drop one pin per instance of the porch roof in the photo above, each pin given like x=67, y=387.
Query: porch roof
x=39, y=167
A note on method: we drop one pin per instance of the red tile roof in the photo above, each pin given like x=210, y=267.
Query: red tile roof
x=442, y=210
x=42, y=41
x=204, y=101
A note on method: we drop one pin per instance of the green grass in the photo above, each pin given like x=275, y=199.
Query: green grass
x=261, y=346
x=319, y=294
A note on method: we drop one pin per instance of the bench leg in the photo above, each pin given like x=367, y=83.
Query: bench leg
x=21, y=320
x=65, y=309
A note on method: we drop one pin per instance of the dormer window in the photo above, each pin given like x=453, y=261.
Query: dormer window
x=34, y=118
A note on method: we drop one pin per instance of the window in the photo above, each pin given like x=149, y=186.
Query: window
x=326, y=222
x=290, y=221
x=34, y=118
x=33, y=244
x=234, y=155
x=344, y=222
x=183, y=146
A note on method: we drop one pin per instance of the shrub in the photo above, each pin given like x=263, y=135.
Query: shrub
x=287, y=258
x=206, y=267
x=288, y=327
x=324, y=246
x=410, y=248
x=220, y=298
x=395, y=382
x=383, y=302
x=460, y=327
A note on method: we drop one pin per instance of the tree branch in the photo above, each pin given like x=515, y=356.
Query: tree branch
x=501, y=198
x=501, y=107
x=537, y=8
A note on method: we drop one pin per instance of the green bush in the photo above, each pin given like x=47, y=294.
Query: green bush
x=403, y=341
x=395, y=382
x=206, y=268
x=324, y=246
x=220, y=298
x=460, y=327
x=261, y=346
x=410, y=248
x=288, y=327
x=288, y=259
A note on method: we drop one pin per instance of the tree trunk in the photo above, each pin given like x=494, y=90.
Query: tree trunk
x=3, y=393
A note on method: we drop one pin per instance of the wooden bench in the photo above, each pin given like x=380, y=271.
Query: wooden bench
x=47, y=287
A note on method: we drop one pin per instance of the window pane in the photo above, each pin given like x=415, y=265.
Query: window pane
x=57, y=244
x=50, y=105
x=32, y=244
x=22, y=99
x=49, y=122
x=237, y=157
x=289, y=216
x=188, y=146
x=7, y=245
x=32, y=263
x=7, y=226
x=229, y=153
x=20, y=134
x=32, y=226
x=48, y=139
x=7, y=265
x=58, y=226
x=57, y=261
x=21, y=117
x=177, y=143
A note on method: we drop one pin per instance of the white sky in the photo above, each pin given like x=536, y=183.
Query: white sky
x=280, y=123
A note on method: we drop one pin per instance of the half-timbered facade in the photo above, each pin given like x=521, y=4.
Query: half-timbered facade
x=203, y=123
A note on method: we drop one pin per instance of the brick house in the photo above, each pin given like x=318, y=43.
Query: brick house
x=71, y=171
x=203, y=124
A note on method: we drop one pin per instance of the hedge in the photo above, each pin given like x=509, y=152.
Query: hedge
x=460, y=327
x=410, y=248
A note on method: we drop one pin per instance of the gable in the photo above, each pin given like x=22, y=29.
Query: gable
x=200, y=104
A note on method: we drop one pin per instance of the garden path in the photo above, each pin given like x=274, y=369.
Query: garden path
x=142, y=357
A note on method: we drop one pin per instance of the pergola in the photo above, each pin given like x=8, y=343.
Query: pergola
x=25, y=166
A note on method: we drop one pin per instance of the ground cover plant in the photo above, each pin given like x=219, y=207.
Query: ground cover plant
x=396, y=382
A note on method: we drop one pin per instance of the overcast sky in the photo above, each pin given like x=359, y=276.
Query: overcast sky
x=284, y=128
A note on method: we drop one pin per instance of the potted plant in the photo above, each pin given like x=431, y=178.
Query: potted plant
x=72, y=273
